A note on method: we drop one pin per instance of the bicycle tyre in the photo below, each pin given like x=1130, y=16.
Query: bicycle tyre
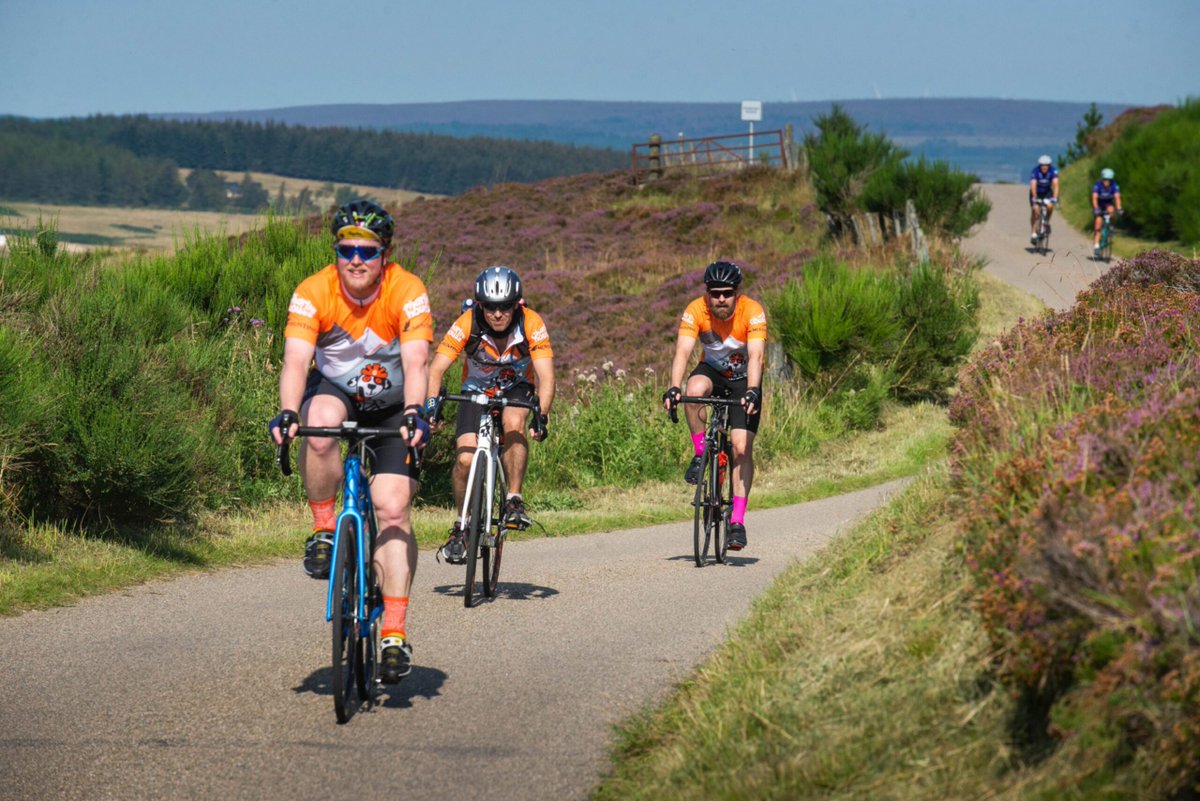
x=368, y=645
x=489, y=585
x=346, y=653
x=701, y=524
x=474, y=534
x=1105, y=244
x=725, y=498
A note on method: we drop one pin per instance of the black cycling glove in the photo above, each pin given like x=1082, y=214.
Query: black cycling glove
x=283, y=421
x=672, y=396
x=753, y=396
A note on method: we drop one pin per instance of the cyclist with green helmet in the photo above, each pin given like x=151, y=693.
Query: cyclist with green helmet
x=356, y=347
x=732, y=331
x=1106, y=196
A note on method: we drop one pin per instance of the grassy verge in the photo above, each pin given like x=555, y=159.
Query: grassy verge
x=56, y=566
x=862, y=674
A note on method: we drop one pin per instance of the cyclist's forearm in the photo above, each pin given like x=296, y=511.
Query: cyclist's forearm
x=543, y=370
x=415, y=357
x=293, y=375
x=754, y=367
x=683, y=352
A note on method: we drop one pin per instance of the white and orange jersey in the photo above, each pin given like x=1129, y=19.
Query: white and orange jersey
x=493, y=363
x=724, y=341
x=358, y=343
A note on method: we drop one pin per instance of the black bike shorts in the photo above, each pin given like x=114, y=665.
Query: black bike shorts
x=727, y=388
x=388, y=455
x=467, y=419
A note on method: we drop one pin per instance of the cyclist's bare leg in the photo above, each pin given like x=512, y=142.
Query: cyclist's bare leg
x=321, y=457
x=743, y=461
x=396, y=550
x=464, y=453
x=516, y=448
x=1098, y=224
x=697, y=386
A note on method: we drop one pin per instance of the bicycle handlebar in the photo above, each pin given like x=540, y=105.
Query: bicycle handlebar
x=705, y=400
x=500, y=402
x=347, y=430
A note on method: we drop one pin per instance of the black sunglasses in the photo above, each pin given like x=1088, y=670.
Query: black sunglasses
x=364, y=252
x=722, y=293
x=498, y=307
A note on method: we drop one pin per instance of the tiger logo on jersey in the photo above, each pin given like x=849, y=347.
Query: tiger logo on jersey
x=735, y=365
x=370, y=382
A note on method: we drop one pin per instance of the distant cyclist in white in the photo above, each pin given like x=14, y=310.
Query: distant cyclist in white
x=1043, y=185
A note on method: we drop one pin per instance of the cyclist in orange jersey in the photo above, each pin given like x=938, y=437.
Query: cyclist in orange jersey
x=732, y=330
x=507, y=350
x=356, y=347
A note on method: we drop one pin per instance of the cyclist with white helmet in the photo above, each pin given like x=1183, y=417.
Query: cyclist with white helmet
x=507, y=352
x=1043, y=185
x=1106, y=196
x=355, y=348
x=732, y=330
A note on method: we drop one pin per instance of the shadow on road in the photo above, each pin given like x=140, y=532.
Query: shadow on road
x=509, y=591
x=423, y=682
x=730, y=560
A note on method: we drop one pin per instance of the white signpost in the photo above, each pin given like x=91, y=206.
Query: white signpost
x=751, y=113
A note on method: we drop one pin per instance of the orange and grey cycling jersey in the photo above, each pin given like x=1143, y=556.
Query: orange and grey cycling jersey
x=358, y=343
x=724, y=341
x=492, y=364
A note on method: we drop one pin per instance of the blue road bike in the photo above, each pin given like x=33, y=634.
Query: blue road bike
x=354, y=604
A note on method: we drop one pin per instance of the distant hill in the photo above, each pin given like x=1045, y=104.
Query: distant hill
x=997, y=140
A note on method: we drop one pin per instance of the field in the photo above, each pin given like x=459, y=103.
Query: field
x=162, y=230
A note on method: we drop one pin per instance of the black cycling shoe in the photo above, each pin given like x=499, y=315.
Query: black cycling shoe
x=514, y=514
x=396, y=660
x=455, y=549
x=317, y=553
x=737, y=536
x=693, y=471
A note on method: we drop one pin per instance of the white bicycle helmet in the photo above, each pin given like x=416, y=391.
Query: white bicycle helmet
x=1045, y=160
x=1107, y=174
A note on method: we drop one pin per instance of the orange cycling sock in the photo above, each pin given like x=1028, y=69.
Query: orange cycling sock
x=323, y=517
x=395, y=613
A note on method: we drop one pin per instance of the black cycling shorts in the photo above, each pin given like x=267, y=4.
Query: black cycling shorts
x=388, y=455
x=467, y=420
x=728, y=388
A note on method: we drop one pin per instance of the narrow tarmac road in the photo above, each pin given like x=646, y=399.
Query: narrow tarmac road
x=218, y=686
x=1003, y=240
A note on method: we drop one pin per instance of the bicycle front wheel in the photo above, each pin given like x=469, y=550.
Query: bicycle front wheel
x=475, y=533
x=347, y=655
x=702, y=521
x=724, y=505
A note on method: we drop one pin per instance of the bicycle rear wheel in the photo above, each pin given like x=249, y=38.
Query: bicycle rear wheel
x=347, y=653
x=1105, y=245
x=474, y=534
x=702, y=524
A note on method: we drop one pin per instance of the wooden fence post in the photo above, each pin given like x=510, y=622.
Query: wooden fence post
x=655, y=158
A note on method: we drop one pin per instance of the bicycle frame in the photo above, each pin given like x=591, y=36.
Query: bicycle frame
x=356, y=506
x=487, y=451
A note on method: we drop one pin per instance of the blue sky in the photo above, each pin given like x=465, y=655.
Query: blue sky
x=78, y=57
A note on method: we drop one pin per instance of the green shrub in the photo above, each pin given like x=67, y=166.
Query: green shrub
x=938, y=313
x=842, y=157
x=1158, y=169
x=946, y=198
x=833, y=317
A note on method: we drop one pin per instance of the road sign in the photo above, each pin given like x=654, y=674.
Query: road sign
x=751, y=111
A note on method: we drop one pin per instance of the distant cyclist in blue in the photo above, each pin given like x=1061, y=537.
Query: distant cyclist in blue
x=1106, y=196
x=1043, y=185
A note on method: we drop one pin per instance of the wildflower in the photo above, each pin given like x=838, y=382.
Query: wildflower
x=620, y=375
x=607, y=366
x=257, y=323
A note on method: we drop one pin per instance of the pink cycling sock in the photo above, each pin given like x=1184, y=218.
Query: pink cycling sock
x=738, y=515
x=698, y=442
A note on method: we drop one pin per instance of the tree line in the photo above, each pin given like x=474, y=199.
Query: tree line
x=134, y=160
